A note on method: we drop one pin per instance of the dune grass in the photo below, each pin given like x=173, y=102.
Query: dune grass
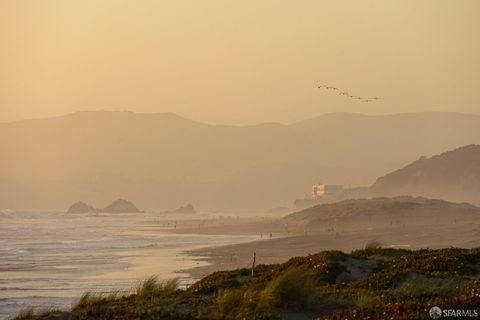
x=92, y=299
x=295, y=289
x=401, y=285
x=25, y=314
x=153, y=288
x=30, y=314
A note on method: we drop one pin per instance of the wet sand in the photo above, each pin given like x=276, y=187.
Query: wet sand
x=336, y=235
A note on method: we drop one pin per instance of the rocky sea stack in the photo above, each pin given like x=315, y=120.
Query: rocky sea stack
x=81, y=207
x=185, y=209
x=117, y=206
x=121, y=206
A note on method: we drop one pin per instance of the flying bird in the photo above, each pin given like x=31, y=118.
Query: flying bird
x=346, y=94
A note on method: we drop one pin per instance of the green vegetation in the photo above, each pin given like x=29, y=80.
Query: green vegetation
x=373, y=283
x=373, y=245
x=152, y=288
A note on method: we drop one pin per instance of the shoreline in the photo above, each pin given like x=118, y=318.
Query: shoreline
x=281, y=249
x=91, y=253
x=203, y=247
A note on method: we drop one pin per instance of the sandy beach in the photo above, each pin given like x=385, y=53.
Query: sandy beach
x=85, y=256
x=345, y=235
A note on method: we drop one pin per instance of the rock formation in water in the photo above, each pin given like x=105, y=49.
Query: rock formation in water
x=121, y=206
x=81, y=207
x=117, y=206
x=186, y=209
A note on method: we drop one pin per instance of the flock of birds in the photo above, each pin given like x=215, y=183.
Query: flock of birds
x=346, y=94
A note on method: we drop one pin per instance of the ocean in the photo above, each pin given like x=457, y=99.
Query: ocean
x=47, y=260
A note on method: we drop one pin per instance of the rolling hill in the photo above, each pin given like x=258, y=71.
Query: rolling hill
x=453, y=175
x=384, y=208
x=163, y=160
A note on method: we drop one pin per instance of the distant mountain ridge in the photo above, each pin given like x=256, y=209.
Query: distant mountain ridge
x=452, y=175
x=163, y=160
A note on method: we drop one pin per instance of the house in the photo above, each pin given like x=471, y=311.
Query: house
x=321, y=190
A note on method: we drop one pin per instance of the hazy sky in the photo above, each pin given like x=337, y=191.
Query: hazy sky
x=237, y=62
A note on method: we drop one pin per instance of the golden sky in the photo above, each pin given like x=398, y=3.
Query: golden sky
x=237, y=62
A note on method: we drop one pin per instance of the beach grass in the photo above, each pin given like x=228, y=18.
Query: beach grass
x=392, y=284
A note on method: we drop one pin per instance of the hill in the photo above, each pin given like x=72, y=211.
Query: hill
x=383, y=208
x=374, y=283
x=453, y=175
x=163, y=160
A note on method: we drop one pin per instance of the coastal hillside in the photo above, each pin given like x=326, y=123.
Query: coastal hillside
x=164, y=161
x=373, y=283
x=453, y=175
x=384, y=208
